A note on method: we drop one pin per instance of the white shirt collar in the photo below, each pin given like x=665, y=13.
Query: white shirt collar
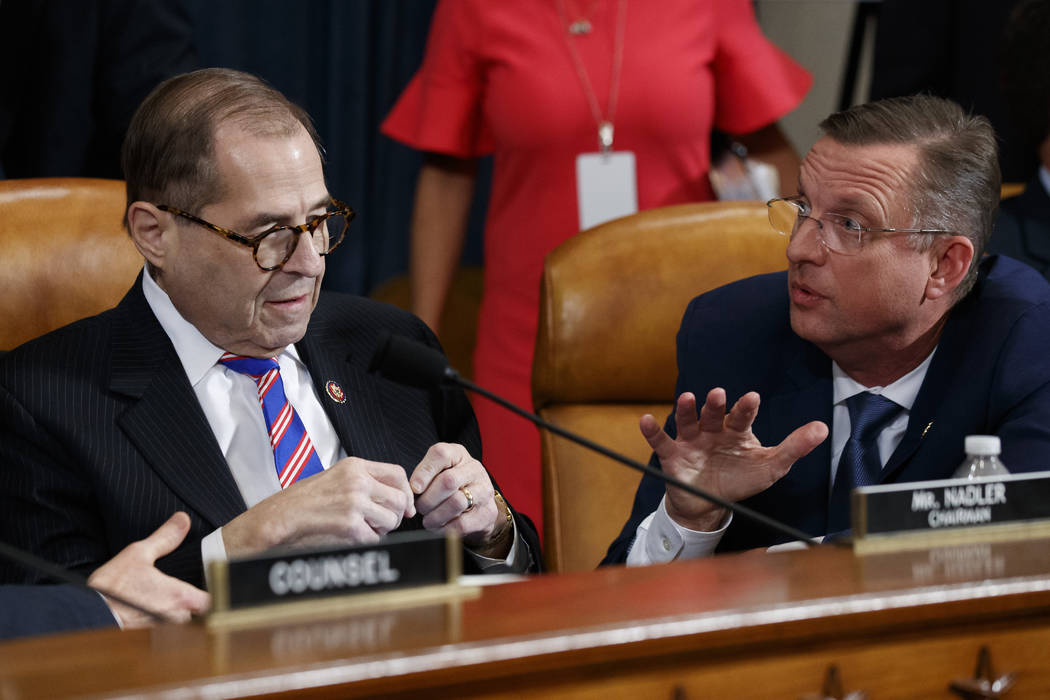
x=902, y=392
x=197, y=353
x=1044, y=177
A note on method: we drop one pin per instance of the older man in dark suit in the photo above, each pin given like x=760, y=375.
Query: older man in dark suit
x=226, y=384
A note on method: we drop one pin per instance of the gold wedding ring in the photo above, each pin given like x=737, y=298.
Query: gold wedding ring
x=470, y=498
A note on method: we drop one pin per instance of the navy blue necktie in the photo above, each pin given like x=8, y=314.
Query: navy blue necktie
x=859, y=465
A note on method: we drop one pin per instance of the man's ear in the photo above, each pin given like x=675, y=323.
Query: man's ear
x=948, y=266
x=148, y=227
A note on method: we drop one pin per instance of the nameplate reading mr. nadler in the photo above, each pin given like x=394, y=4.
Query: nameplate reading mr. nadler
x=402, y=560
x=933, y=506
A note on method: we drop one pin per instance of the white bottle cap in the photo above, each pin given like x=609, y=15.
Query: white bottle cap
x=982, y=445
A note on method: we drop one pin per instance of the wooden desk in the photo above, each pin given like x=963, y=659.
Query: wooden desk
x=752, y=625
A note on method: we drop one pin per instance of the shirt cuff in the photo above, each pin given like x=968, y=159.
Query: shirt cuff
x=212, y=549
x=105, y=601
x=659, y=539
x=518, y=559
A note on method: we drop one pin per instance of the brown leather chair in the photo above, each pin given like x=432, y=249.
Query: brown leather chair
x=611, y=303
x=1011, y=189
x=64, y=254
x=459, y=320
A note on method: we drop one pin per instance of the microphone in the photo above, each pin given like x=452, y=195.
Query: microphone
x=406, y=361
x=33, y=562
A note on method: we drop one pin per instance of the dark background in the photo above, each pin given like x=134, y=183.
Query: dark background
x=73, y=71
x=346, y=62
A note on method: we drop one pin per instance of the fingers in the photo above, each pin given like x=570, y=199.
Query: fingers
x=354, y=500
x=743, y=413
x=382, y=509
x=660, y=442
x=455, y=504
x=481, y=519
x=438, y=458
x=132, y=576
x=172, y=599
x=381, y=483
x=393, y=476
x=443, y=470
x=459, y=470
x=441, y=479
x=167, y=537
x=195, y=600
x=359, y=500
x=801, y=442
x=712, y=418
x=649, y=426
x=372, y=499
x=712, y=413
x=182, y=599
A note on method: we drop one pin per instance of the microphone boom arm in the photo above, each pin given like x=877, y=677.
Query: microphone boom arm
x=453, y=377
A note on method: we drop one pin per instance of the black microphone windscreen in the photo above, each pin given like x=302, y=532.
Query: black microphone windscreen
x=405, y=361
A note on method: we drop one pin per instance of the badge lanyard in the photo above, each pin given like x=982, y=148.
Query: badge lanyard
x=605, y=123
x=606, y=185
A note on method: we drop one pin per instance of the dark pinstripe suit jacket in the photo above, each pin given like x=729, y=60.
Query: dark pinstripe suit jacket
x=102, y=437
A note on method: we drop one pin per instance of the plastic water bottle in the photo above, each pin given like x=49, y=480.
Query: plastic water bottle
x=982, y=458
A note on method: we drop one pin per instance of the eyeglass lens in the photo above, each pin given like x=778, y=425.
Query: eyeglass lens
x=786, y=217
x=276, y=248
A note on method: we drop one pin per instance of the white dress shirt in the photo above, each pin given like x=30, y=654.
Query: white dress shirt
x=230, y=402
x=664, y=540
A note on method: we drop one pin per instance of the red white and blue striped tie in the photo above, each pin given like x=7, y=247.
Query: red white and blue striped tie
x=293, y=453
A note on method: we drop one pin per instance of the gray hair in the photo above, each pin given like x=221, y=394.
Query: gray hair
x=956, y=182
x=169, y=150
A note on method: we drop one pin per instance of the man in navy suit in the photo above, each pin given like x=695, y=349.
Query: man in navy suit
x=226, y=384
x=883, y=345
x=30, y=610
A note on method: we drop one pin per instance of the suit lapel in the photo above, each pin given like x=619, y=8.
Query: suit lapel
x=358, y=421
x=920, y=421
x=164, y=420
x=806, y=396
x=934, y=400
x=808, y=393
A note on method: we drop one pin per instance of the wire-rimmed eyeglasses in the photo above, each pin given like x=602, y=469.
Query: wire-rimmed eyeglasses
x=838, y=233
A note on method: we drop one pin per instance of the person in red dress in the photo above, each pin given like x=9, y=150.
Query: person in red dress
x=531, y=82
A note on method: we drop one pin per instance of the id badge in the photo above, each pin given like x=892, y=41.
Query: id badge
x=606, y=187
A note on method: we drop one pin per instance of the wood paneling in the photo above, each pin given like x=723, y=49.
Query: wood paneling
x=899, y=625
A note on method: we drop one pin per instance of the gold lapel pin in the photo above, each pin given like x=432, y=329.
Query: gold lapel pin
x=335, y=392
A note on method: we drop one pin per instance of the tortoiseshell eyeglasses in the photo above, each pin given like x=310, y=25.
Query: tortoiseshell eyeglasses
x=274, y=247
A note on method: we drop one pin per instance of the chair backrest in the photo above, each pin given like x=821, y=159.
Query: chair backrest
x=459, y=320
x=64, y=254
x=611, y=303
